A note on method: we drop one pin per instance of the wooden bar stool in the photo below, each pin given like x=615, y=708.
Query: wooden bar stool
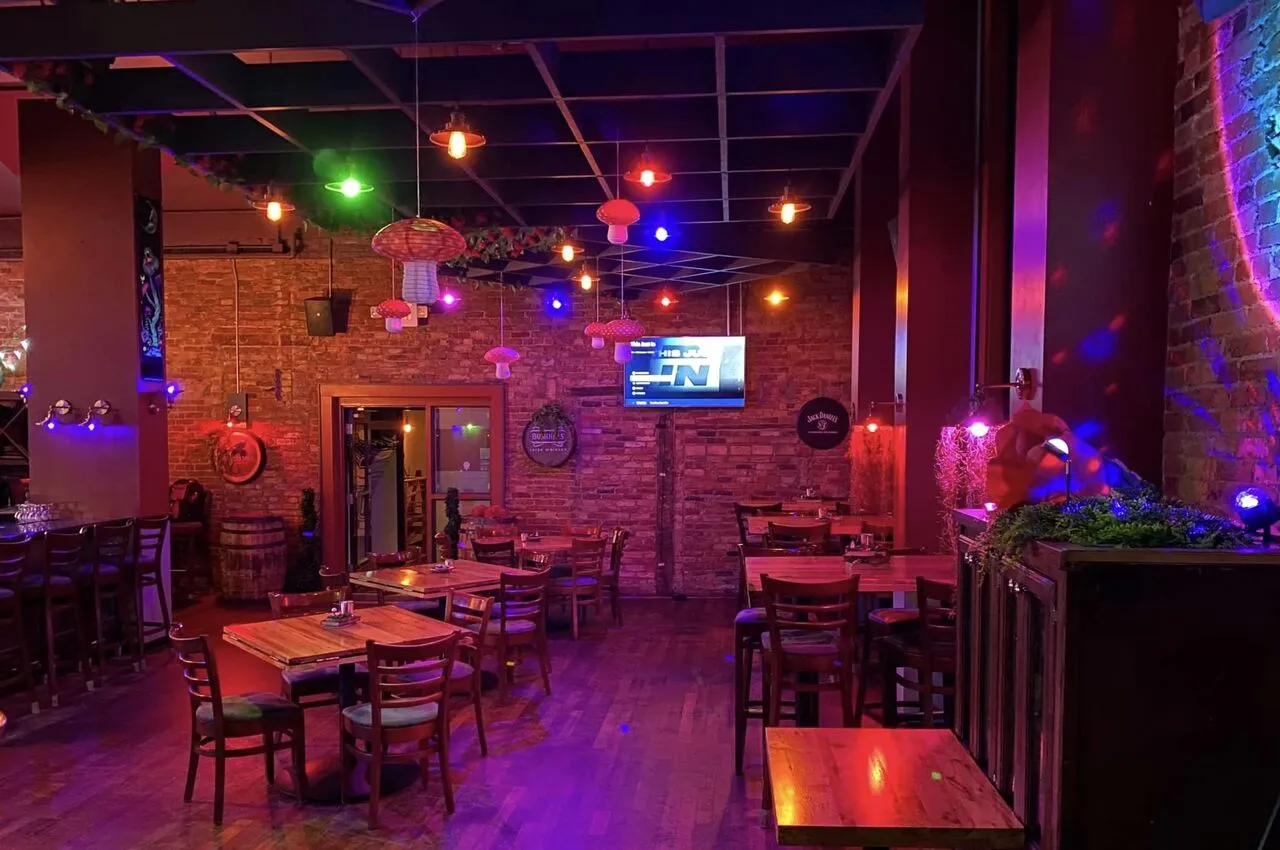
x=930, y=653
x=148, y=550
x=15, y=656
x=612, y=578
x=58, y=589
x=749, y=626
x=106, y=580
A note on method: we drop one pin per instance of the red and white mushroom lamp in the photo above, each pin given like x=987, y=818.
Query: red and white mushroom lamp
x=621, y=333
x=595, y=331
x=502, y=358
x=420, y=244
x=394, y=311
x=619, y=214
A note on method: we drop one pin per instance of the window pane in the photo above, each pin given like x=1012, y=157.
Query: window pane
x=461, y=442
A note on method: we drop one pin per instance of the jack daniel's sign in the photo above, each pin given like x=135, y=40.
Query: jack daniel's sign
x=823, y=423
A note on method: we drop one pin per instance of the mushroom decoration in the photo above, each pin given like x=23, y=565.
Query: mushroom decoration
x=596, y=330
x=394, y=311
x=618, y=214
x=621, y=332
x=419, y=243
x=501, y=356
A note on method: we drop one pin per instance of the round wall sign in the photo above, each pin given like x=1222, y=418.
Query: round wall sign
x=239, y=456
x=550, y=438
x=822, y=423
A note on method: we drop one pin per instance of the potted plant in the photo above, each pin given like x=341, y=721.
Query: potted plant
x=304, y=574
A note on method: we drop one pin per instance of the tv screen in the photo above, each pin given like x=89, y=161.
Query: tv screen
x=686, y=371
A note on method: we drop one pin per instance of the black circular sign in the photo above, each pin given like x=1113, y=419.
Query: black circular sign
x=549, y=440
x=822, y=423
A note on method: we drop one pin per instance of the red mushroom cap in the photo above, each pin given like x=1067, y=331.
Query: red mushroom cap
x=618, y=211
x=595, y=329
x=394, y=308
x=625, y=329
x=501, y=354
x=418, y=239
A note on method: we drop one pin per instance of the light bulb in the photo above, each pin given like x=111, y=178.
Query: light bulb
x=979, y=429
x=231, y=423
x=872, y=427
x=586, y=281
x=788, y=213
x=349, y=188
x=407, y=427
x=661, y=234
x=457, y=144
x=567, y=253
x=1247, y=501
x=274, y=211
x=775, y=298
x=449, y=299
x=92, y=426
x=647, y=177
x=665, y=301
x=556, y=303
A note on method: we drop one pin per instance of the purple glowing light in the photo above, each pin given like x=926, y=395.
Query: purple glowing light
x=979, y=429
x=449, y=299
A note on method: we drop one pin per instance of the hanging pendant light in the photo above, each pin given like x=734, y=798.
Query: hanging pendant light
x=273, y=204
x=788, y=206
x=594, y=330
x=646, y=172
x=500, y=356
x=623, y=330
x=619, y=214
x=568, y=249
x=457, y=137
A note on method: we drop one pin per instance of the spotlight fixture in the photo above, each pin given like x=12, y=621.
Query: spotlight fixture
x=978, y=419
x=25, y=392
x=661, y=234
x=873, y=421
x=449, y=299
x=1257, y=512
x=349, y=186
x=457, y=137
x=171, y=392
x=1025, y=381
x=788, y=206
x=57, y=412
x=97, y=414
x=646, y=172
x=273, y=204
x=235, y=416
x=776, y=297
x=1058, y=447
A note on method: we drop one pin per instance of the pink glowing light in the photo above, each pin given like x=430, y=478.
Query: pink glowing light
x=449, y=299
x=979, y=429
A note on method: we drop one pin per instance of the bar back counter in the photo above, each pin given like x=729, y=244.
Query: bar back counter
x=1124, y=698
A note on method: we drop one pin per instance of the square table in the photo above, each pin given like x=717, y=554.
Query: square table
x=418, y=581
x=302, y=643
x=897, y=576
x=875, y=788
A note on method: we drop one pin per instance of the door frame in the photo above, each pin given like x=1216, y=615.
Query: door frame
x=334, y=397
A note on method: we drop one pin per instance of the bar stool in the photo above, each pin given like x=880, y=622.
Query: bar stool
x=58, y=589
x=749, y=626
x=15, y=658
x=932, y=650
x=148, y=550
x=881, y=623
x=106, y=579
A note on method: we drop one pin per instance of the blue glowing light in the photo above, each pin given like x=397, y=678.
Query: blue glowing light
x=556, y=304
x=172, y=390
x=661, y=234
x=50, y=425
x=25, y=391
x=1098, y=346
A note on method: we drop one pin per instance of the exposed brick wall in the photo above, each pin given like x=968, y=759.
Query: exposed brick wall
x=12, y=315
x=793, y=353
x=1222, y=413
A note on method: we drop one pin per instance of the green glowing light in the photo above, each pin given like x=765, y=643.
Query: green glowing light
x=351, y=187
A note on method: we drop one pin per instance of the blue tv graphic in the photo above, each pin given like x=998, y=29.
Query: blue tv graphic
x=686, y=371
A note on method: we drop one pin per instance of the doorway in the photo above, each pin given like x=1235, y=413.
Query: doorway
x=389, y=456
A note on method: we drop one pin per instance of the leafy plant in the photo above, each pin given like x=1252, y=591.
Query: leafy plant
x=452, y=513
x=549, y=414
x=1134, y=519
x=304, y=575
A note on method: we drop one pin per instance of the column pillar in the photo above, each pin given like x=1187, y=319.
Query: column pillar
x=1093, y=166
x=80, y=261
x=935, y=301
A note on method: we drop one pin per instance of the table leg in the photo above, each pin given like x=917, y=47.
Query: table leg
x=807, y=703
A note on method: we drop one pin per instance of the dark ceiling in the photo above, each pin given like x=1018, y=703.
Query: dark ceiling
x=736, y=98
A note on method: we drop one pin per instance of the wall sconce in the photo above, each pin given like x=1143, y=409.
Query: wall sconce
x=873, y=421
x=235, y=413
x=1058, y=447
x=238, y=410
x=978, y=420
x=98, y=413
x=171, y=392
x=57, y=412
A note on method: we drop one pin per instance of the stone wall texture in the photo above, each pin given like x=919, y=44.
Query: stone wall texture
x=1222, y=411
x=794, y=352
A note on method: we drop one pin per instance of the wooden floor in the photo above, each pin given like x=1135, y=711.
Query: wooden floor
x=634, y=749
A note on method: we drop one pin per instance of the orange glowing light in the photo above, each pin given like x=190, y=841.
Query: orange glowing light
x=776, y=297
x=873, y=426
x=876, y=770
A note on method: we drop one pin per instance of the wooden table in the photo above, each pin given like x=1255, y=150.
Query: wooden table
x=883, y=788
x=841, y=526
x=793, y=506
x=300, y=643
x=897, y=576
x=418, y=580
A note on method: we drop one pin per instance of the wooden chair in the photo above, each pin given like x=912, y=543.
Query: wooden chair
x=106, y=579
x=471, y=613
x=521, y=623
x=217, y=719
x=588, y=530
x=317, y=686
x=783, y=534
x=584, y=586
x=930, y=650
x=612, y=579
x=15, y=656
x=741, y=512
x=57, y=589
x=148, y=551
x=495, y=551
x=749, y=626
x=408, y=689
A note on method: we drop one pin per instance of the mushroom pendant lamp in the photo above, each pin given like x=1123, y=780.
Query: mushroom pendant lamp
x=500, y=356
x=618, y=214
x=623, y=330
x=419, y=244
x=595, y=330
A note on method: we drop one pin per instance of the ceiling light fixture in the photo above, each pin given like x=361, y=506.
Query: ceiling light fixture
x=661, y=234
x=586, y=281
x=873, y=422
x=273, y=204
x=646, y=172
x=568, y=250
x=457, y=137
x=349, y=186
x=788, y=206
x=776, y=297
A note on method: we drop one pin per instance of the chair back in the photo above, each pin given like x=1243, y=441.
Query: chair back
x=64, y=551
x=587, y=530
x=14, y=552
x=333, y=579
x=617, y=545
x=811, y=533
x=199, y=672
x=523, y=597
x=843, y=508
x=499, y=552
x=395, y=559
x=741, y=512
x=284, y=605
x=469, y=611
x=811, y=606
x=149, y=541
x=408, y=675
x=188, y=501
x=937, y=616
x=586, y=557
x=112, y=545
x=745, y=551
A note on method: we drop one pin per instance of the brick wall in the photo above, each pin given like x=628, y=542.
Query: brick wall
x=1222, y=414
x=793, y=353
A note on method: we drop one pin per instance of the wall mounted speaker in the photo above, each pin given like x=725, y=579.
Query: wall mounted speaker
x=319, y=316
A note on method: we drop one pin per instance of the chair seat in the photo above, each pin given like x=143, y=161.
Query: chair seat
x=909, y=653
x=6, y=595
x=106, y=572
x=399, y=717
x=750, y=616
x=248, y=708
x=893, y=620
x=37, y=580
x=572, y=581
x=319, y=680
x=425, y=607
x=461, y=671
x=514, y=627
x=805, y=642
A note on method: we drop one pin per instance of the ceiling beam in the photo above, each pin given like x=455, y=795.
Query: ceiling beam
x=882, y=100
x=98, y=30
x=722, y=116
x=541, y=55
x=377, y=65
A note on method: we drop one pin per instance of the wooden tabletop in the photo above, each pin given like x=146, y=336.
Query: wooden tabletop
x=418, y=580
x=842, y=526
x=897, y=576
x=547, y=544
x=883, y=788
x=302, y=642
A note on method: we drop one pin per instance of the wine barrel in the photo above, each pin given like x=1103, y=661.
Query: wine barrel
x=253, y=558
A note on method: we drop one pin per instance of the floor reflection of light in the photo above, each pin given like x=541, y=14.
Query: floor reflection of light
x=876, y=769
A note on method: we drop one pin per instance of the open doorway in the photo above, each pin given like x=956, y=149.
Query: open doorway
x=390, y=455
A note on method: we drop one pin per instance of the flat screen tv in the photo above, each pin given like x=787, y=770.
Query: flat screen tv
x=686, y=371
